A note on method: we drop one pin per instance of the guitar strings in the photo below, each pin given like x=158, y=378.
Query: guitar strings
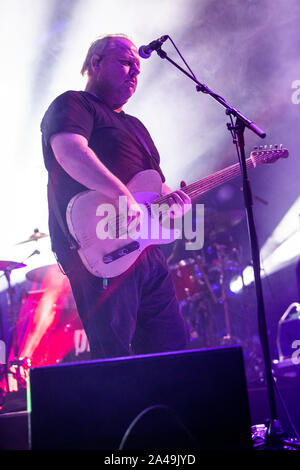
x=226, y=174
x=200, y=187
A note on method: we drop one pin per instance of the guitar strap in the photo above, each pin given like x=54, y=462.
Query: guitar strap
x=73, y=244
x=138, y=136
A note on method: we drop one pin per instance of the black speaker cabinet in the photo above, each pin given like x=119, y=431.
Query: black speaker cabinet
x=185, y=400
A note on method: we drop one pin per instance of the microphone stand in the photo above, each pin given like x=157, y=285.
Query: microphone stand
x=274, y=438
x=13, y=345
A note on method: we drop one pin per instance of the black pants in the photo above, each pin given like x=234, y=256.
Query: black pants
x=136, y=313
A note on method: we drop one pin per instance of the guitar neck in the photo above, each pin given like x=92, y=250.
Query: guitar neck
x=216, y=179
x=212, y=181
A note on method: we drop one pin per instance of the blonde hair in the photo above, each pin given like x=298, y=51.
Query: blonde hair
x=100, y=47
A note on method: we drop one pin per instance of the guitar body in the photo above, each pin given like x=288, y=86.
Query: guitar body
x=83, y=219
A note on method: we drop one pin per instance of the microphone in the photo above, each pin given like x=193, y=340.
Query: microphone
x=146, y=51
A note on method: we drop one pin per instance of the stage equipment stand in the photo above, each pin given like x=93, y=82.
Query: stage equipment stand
x=7, y=267
x=275, y=437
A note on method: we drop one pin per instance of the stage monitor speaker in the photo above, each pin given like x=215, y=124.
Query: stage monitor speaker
x=187, y=400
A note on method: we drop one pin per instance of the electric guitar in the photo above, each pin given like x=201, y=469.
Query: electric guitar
x=93, y=218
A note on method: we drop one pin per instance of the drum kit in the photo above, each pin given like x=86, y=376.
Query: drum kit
x=202, y=280
x=21, y=313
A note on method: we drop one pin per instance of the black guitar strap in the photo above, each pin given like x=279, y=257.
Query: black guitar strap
x=138, y=136
x=73, y=244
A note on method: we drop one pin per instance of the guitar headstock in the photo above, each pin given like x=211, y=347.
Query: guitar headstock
x=267, y=154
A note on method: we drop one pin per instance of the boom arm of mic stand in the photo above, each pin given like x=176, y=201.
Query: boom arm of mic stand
x=204, y=89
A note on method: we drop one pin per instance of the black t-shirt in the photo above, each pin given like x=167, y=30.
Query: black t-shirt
x=119, y=140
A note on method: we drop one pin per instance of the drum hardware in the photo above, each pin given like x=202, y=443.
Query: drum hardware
x=203, y=276
x=225, y=262
x=37, y=235
x=14, y=372
x=202, y=266
x=198, y=316
x=195, y=294
x=7, y=267
x=17, y=367
x=17, y=364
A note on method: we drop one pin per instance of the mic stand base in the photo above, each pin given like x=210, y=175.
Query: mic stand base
x=270, y=436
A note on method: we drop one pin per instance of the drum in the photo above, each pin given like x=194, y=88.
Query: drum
x=49, y=329
x=187, y=280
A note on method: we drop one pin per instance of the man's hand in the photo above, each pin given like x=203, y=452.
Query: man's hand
x=130, y=216
x=179, y=201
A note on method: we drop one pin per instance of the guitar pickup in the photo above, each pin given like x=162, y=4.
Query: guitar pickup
x=117, y=254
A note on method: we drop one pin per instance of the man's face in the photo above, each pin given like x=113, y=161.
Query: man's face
x=116, y=78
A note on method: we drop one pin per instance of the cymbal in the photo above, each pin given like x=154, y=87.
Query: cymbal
x=10, y=265
x=39, y=274
x=34, y=237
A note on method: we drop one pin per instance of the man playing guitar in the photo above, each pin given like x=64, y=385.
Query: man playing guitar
x=90, y=143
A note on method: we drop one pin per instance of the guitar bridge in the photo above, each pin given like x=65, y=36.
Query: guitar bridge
x=117, y=254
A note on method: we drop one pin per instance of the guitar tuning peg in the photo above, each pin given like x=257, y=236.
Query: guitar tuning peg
x=280, y=146
x=261, y=147
x=271, y=147
x=276, y=146
x=266, y=147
